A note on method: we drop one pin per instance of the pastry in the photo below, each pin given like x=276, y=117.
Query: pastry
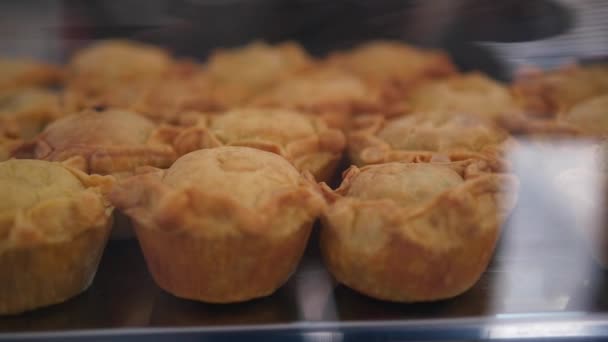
x=393, y=66
x=240, y=73
x=303, y=140
x=185, y=89
x=472, y=93
x=424, y=137
x=18, y=74
x=331, y=94
x=221, y=225
x=25, y=112
x=54, y=223
x=113, y=73
x=544, y=94
x=411, y=232
x=106, y=142
x=586, y=119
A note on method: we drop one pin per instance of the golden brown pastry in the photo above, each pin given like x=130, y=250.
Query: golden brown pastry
x=54, y=223
x=303, y=140
x=23, y=73
x=586, y=119
x=113, y=73
x=411, y=232
x=106, y=142
x=25, y=112
x=439, y=136
x=472, y=93
x=544, y=94
x=221, y=225
x=239, y=73
x=394, y=66
x=332, y=94
x=185, y=89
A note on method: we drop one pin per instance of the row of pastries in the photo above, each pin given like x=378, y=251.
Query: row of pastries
x=222, y=167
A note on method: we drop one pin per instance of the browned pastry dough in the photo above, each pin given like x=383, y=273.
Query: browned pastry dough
x=185, y=89
x=22, y=73
x=113, y=73
x=303, y=140
x=587, y=119
x=473, y=93
x=54, y=223
x=393, y=66
x=221, y=218
x=332, y=94
x=24, y=113
x=424, y=137
x=411, y=232
x=544, y=94
x=107, y=142
x=240, y=73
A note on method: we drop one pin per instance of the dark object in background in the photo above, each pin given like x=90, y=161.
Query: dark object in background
x=195, y=27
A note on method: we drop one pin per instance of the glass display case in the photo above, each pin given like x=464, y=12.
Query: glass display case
x=545, y=280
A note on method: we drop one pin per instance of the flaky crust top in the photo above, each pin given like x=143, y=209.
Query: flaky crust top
x=105, y=142
x=46, y=202
x=25, y=112
x=393, y=64
x=425, y=136
x=302, y=139
x=224, y=190
x=420, y=202
x=472, y=93
x=240, y=73
x=545, y=94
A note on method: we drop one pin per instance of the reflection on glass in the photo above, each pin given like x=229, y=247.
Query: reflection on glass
x=544, y=260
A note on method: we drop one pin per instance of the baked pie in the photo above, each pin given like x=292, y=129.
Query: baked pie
x=237, y=74
x=544, y=94
x=25, y=112
x=23, y=73
x=393, y=66
x=586, y=119
x=54, y=223
x=437, y=136
x=221, y=225
x=329, y=93
x=113, y=73
x=106, y=142
x=303, y=140
x=185, y=89
x=411, y=232
x=473, y=93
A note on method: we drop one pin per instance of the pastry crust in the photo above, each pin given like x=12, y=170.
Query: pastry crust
x=473, y=93
x=304, y=141
x=220, y=218
x=18, y=74
x=107, y=142
x=394, y=66
x=113, y=73
x=545, y=94
x=586, y=119
x=240, y=73
x=54, y=223
x=411, y=232
x=24, y=113
x=330, y=93
x=437, y=136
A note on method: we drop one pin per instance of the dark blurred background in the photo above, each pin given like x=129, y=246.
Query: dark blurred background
x=494, y=36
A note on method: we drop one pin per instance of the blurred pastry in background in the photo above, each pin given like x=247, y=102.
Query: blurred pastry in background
x=304, y=140
x=24, y=73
